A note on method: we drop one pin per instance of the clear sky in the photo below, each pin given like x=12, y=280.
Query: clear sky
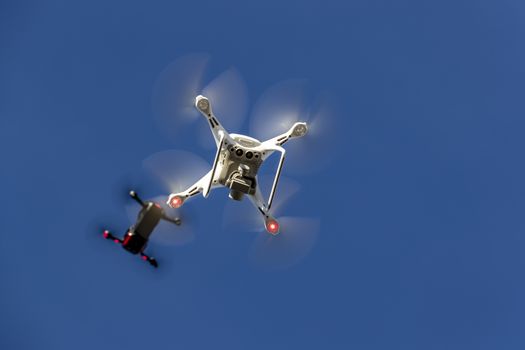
x=422, y=231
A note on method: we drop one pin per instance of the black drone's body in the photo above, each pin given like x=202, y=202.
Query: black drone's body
x=136, y=238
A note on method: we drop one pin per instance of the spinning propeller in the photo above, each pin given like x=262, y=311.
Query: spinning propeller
x=165, y=233
x=276, y=111
x=297, y=235
x=174, y=93
x=290, y=101
x=174, y=170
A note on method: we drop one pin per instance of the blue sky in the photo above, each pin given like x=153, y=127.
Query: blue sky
x=422, y=213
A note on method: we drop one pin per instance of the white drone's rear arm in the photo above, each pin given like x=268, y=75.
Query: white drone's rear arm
x=258, y=201
x=204, y=184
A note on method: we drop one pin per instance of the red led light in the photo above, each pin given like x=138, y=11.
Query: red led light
x=144, y=257
x=176, y=202
x=272, y=227
x=127, y=238
x=116, y=241
x=106, y=234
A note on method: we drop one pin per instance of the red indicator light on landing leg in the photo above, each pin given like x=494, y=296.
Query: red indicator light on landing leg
x=106, y=234
x=176, y=202
x=272, y=227
x=144, y=257
x=116, y=241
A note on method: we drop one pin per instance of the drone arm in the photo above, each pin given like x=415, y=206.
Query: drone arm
x=136, y=197
x=152, y=261
x=203, y=105
x=299, y=129
x=175, y=221
x=108, y=235
x=258, y=201
x=206, y=190
x=271, y=225
x=176, y=200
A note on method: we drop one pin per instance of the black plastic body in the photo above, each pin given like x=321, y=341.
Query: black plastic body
x=136, y=239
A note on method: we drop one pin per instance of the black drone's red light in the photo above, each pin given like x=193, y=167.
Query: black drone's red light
x=127, y=238
x=106, y=234
x=116, y=241
x=176, y=202
x=272, y=226
x=144, y=257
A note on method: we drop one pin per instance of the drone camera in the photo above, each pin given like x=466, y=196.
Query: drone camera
x=239, y=186
x=236, y=195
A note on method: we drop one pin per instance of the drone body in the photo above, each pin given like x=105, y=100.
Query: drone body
x=237, y=163
x=136, y=238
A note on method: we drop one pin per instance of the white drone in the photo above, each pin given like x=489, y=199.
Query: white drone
x=236, y=164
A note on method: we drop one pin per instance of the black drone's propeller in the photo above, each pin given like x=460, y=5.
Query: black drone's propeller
x=181, y=82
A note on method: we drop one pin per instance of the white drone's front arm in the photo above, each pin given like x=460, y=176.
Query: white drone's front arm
x=203, y=105
x=299, y=129
x=205, y=183
x=258, y=201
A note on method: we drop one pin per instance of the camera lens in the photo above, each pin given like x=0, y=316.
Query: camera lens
x=239, y=152
x=249, y=155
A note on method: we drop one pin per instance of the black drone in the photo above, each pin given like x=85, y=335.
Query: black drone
x=136, y=238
